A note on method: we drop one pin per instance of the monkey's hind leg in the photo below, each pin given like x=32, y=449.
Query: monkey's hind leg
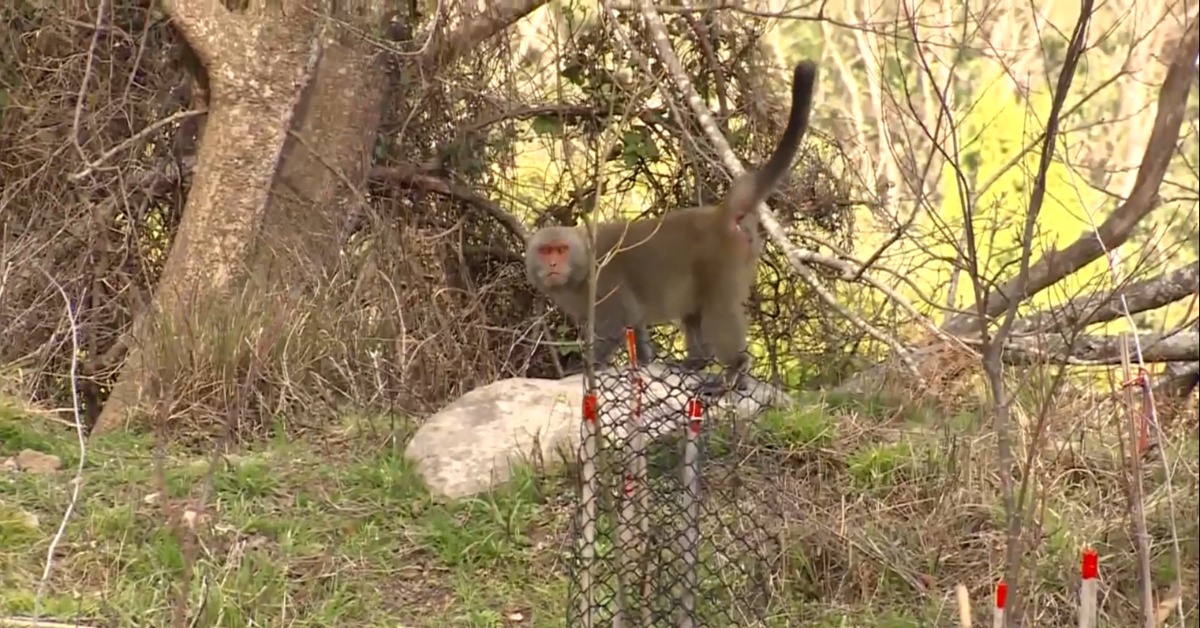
x=699, y=352
x=699, y=355
x=724, y=329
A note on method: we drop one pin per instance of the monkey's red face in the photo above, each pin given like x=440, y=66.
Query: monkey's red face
x=556, y=262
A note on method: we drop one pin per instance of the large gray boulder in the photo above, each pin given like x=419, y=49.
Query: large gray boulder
x=473, y=443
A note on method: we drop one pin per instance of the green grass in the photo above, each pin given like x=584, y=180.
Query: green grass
x=889, y=513
x=291, y=537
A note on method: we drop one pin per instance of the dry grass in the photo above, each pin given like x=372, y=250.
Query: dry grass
x=887, y=507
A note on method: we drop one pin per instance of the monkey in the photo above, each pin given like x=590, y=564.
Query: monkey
x=693, y=266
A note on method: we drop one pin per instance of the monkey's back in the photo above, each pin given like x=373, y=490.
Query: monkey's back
x=670, y=264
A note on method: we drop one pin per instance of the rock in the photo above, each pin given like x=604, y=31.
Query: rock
x=471, y=445
x=37, y=462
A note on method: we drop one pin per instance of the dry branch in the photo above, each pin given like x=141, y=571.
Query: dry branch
x=1106, y=349
x=1016, y=494
x=1143, y=198
x=414, y=176
x=1092, y=308
x=446, y=48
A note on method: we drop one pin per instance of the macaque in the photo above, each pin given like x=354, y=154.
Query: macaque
x=693, y=266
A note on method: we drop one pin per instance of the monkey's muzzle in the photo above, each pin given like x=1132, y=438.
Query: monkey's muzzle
x=554, y=278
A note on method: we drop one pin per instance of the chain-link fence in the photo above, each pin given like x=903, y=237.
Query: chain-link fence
x=664, y=535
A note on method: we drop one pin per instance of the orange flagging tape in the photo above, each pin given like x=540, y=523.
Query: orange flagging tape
x=589, y=407
x=1091, y=564
x=694, y=410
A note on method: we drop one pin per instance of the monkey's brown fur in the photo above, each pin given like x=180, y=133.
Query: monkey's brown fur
x=694, y=266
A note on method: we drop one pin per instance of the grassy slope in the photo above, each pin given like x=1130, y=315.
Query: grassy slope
x=342, y=533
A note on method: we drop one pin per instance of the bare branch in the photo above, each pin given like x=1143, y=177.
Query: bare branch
x=77, y=483
x=1015, y=501
x=1143, y=198
x=110, y=153
x=441, y=186
x=1094, y=308
x=1096, y=350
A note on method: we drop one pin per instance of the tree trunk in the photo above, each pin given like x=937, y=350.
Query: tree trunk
x=329, y=153
x=327, y=160
x=294, y=110
x=259, y=68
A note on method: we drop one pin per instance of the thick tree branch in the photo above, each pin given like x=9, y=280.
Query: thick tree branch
x=1094, y=308
x=1180, y=379
x=201, y=22
x=1092, y=350
x=1143, y=198
x=446, y=48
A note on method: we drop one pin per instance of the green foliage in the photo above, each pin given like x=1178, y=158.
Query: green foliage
x=547, y=125
x=16, y=526
x=388, y=553
x=807, y=427
x=637, y=146
x=879, y=466
x=14, y=437
x=290, y=510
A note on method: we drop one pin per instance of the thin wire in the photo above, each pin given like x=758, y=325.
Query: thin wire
x=1111, y=256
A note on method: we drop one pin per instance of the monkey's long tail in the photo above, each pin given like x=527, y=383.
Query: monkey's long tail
x=752, y=188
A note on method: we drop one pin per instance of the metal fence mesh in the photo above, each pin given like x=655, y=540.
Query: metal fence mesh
x=664, y=532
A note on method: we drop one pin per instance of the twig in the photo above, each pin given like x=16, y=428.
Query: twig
x=443, y=48
x=1141, y=201
x=21, y=622
x=108, y=154
x=1014, y=497
x=80, y=96
x=414, y=176
x=77, y=481
x=1186, y=43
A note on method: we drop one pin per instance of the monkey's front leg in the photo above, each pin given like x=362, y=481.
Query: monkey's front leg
x=602, y=350
x=608, y=340
x=608, y=329
x=731, y=378
x=699, y=352
x=642, y=345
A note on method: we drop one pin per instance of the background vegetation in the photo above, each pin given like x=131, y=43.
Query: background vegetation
x=282, y=234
